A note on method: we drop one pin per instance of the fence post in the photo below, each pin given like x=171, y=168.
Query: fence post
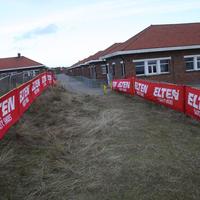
x=10, y=81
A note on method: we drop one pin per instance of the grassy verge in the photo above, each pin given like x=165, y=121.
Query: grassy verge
x=114, y=146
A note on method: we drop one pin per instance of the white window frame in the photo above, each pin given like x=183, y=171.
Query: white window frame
x=36, y=72
x=158, y=65
x=104, y=71
x=195, y=61
x=152, y=67
x=141, y=65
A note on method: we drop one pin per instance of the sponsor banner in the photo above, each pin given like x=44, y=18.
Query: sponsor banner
x=123, y=85
x=9, y=112
x=54, y=81
x=14, y=104
x=25, y=98
x=36, y=86
x=50, y=78
x=192, y=102
x=44, y=81
x=169, y=95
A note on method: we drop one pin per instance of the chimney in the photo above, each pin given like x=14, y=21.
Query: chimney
x=19, y=56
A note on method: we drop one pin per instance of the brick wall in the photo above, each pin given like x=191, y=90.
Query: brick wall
x=98, y=66
x=177, y=66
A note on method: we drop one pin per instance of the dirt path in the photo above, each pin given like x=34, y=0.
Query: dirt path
x=77, y=86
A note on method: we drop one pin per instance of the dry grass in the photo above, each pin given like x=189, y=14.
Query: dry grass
x=116, y=146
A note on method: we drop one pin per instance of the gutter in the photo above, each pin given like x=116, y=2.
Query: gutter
x=118, y=53
x=19, y=68
x=87, y=63
x=92, y=61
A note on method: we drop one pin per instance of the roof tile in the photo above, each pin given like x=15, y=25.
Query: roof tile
x=15, y=62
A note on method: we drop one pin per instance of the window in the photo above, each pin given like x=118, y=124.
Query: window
x=154, y=66
x=104, y=70
x=189, y=63
x=192, y=62
x=139, y=67
x=198, y=62
x=37, y=72
x=30, y=73
x=164, y=66
x=25, y=74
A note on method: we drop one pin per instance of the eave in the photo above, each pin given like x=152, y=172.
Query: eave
x=119, y=53
x=94, y=61
x=19, y=68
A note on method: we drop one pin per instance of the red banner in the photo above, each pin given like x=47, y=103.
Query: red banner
x=169, y=95
x=9, y=112
x=50, y=78
x=25, y=97
x=54, y=81
x=124, y=85
x=14, y=104
x=44, y=81
x=192, y=102
x=36, y=87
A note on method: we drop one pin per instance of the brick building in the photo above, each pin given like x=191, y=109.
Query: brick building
x=167, y=53
x=93, y=67
x=20, y=64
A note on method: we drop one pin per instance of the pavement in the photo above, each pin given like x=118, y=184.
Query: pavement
x=76, y=86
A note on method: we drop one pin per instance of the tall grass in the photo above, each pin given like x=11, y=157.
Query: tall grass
x=114, y=146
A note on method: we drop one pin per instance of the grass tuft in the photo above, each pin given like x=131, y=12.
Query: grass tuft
x=113, y=146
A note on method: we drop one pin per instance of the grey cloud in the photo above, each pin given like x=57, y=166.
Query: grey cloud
x=50, y=29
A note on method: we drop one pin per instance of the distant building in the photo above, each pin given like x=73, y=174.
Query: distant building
x=167, y=53
x=20, y=64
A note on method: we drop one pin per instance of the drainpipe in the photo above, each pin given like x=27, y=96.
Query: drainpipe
x=173, y=71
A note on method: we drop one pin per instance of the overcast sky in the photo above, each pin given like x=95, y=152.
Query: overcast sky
x=62, y=32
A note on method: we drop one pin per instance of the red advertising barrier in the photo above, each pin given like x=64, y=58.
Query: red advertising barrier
x=124, y=85
x=192, y=102
x=36, y=87
x=169, y=95
x=15, y=103
x=9, y=112
x=25, y=97
x=50, y=78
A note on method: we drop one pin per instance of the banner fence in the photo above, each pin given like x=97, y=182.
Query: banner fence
x=178, y=97
x=16, y=102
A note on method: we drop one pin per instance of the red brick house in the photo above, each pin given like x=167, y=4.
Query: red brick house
x=100, y=67
x=167, y=53
x=20, y=64
x=93, y=67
